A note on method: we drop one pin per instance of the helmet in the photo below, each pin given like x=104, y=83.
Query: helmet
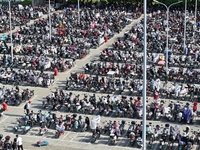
x=184, y=134
x=123, y=121
x=187, y=128
x=195, y=103
x=132, y=122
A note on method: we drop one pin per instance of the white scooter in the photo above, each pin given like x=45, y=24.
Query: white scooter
x=167, y=112
x=194, y=115
x=170, y=90
x=139, y=142
x=43, y=130
x=155, y=134
x=177, y=91
x=180, y=116
x=158, y=114
x=113, y=139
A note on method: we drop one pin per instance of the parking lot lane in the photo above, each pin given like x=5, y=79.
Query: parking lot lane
x=103, y=140
x=34, y=131
x=29, y=146
x=154, y=145
x=70, y=136
x=84, y=137
x=122, y=142
x=71, y=144
x=3, y=118
x=65, y=135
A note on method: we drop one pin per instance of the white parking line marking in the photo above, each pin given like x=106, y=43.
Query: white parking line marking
x=118, y=142
x=26, y=135
x=165, y=148
x=124, y=147
x=84, y=137
x=156, y=146
x=69, y=70
x=65, y=135
x=34, y=97
x=31, y=136
x=74, y=137
x=128, y=143
x=14, y=107
x=123, y=138
x=4, y=118
x=77, y=142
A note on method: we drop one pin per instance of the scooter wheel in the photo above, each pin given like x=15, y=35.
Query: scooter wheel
x=93, y=140
x=83, y=130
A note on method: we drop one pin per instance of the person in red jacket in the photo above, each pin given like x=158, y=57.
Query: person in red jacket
x=55, y=71
x=105, y=38
x=5, y=106
x=195, y=106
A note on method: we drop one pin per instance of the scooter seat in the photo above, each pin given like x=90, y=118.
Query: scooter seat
x=139, y=139
x=112, y=135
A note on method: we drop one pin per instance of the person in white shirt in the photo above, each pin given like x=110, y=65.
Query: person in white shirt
x=60, y=127
x=19, y=142
x=27, y=107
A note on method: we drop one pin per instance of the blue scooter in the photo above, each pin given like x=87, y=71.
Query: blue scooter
x=81, y=124
x=78, y=124
x=27, y=127
x=121, y=127
x=43, y=143
x=18, y=126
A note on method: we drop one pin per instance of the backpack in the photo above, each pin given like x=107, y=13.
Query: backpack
x=25, y=106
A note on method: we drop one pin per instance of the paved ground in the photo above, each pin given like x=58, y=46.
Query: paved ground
x=70, y=140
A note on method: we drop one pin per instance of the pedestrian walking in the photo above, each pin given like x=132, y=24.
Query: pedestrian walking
x=19, y=142
x=5, y=106
x=27, y=107
x=14, y=144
